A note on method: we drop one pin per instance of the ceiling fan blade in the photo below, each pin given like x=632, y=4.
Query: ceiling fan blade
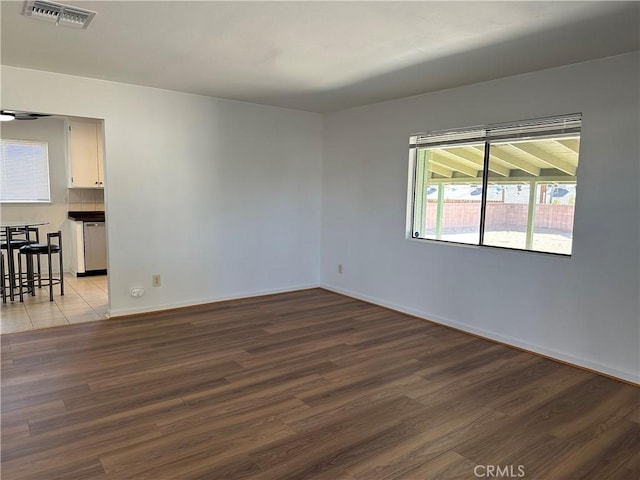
x=24, y=115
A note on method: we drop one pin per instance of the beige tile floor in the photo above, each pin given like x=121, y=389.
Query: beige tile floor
x=85, y=299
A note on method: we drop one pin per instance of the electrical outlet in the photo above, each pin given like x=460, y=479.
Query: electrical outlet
x=155, y=280
x=137, y=292
x=339, y=268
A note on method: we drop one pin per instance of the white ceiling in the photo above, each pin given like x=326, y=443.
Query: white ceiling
x=318, y=56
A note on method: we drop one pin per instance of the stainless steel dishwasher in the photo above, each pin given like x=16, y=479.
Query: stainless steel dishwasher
x=95, y=247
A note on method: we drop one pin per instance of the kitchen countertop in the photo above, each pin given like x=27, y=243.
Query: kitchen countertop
x=86, y=216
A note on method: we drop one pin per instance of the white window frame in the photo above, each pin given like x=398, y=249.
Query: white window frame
x=550, y=127
x=40, y=165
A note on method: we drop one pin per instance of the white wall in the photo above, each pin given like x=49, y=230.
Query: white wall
x=221, y=198
x=224, y=198
x=50, y=130
x=582, y=309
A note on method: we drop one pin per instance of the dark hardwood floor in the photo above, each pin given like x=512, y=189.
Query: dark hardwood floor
x=307, y=384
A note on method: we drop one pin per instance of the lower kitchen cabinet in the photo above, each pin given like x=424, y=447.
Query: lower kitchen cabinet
x=88, y=248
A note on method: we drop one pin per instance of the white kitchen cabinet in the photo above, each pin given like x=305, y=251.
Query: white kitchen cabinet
x=76, y=238
x=86, y=154
x=87, y=246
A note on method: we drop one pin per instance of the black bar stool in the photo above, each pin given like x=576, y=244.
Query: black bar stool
x=33, y=236
x=4, y=284
x=13, y=238
x=37, y=249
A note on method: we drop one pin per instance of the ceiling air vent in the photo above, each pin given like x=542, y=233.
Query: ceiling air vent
x=61, y=15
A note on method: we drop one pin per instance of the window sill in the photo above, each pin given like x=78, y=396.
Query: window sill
x=490, y=247
x=27, y=204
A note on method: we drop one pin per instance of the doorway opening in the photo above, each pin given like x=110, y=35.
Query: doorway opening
x=76, y=206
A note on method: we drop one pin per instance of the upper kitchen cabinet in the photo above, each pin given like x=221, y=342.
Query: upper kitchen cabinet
x=86, y=154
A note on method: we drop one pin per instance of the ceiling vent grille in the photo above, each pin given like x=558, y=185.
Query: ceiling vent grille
x=61, y=15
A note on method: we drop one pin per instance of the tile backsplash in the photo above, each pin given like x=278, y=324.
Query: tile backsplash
x=86, y=200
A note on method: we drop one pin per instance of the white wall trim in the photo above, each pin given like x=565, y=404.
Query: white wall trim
x=629, y=376
x=119, y=312
x=633, y=377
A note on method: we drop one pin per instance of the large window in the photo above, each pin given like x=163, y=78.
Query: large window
x=24, y=170
x=509, y=185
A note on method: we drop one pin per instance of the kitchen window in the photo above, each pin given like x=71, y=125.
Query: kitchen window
x=24, y=169
x=509, y=185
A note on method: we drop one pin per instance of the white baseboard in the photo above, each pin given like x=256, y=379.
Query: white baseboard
x=629, y=376
x=119, y=312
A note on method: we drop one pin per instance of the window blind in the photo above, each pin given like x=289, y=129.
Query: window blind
x=552, y=126
x=449, y=137
x=24, y=171
x=548, y=126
